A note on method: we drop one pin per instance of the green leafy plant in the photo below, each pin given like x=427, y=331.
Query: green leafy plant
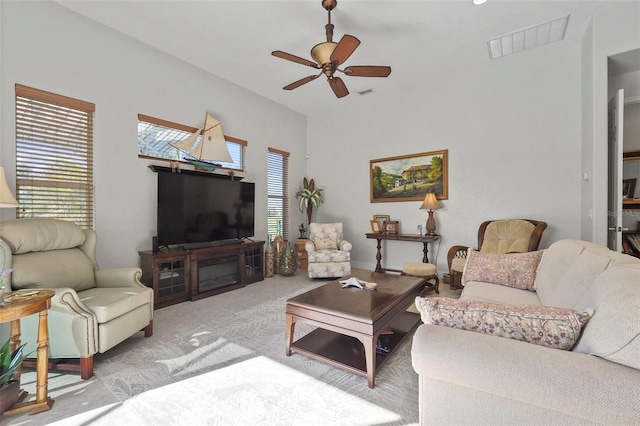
x=310, y=197
x=10, y=361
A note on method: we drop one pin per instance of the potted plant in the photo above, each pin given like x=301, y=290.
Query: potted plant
x=10, y=362
x=310, y=197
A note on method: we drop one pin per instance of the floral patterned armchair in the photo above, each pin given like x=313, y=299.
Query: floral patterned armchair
x=329, y=254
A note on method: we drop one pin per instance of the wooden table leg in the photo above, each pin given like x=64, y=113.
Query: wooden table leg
x=289, y=329
x=425, y=250
x=370, y=358
x=14, y=332
x=378, y=256
x=42, y=359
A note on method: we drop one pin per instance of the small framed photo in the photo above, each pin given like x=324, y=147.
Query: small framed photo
x=381, y=217
x=375, y=226
x=391, y=227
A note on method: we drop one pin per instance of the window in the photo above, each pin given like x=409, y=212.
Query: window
x=278, y=193
x=155, y=135
x=54, y=156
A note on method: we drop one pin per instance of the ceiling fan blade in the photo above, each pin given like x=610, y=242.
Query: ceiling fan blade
x=367, y=71
x=338, y=87
x=294, y=58
x=345, y=48
x=300, y=82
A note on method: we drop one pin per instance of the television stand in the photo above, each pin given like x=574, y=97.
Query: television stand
x=193, y=273
x=206, y=244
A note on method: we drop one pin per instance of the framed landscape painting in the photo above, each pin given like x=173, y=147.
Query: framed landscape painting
x=409, y=177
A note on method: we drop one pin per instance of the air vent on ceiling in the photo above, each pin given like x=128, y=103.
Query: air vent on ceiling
x=528, y=38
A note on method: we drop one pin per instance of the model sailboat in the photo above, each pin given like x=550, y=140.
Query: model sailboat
x=204, y=151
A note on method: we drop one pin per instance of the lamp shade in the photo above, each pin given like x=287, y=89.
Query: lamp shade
x=6, y=197
x=430, y=202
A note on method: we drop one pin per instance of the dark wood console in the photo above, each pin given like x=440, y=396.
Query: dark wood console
x=178, y=275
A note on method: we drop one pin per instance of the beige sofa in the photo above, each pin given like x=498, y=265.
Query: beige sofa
x=468, y=377
x=93, y=309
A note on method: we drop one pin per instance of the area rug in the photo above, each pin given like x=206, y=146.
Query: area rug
x=258, y=391
x=224, y=357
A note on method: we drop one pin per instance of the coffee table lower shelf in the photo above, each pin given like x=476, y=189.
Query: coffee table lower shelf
x=347, y=352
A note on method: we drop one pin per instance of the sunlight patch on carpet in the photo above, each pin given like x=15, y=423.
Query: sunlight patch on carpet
x=258, y=391
x=59, y=384
x=216, y=353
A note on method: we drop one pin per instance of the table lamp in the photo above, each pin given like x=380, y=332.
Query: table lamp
x=6, y=197
x=430, y=203
x=6, y=200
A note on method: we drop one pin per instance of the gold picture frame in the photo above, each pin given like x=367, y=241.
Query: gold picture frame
x=391, y=227
x=375, y=226
x=409, y=177
x=381, y=217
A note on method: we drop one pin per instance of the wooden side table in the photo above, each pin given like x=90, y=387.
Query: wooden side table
x=301, y=253
x=379, y=236
x=19, y=304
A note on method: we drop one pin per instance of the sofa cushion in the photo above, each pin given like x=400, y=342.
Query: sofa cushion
x=457, y=263
x=516, y=270
x=32, y=235
x=507, y=236
x=486, y=292
x=581, y=273
x=557, y=328
x=323, y=256
x=55, y=269
x=325, y=230
x=110, y=303
x=567, y=267
x=614, y=331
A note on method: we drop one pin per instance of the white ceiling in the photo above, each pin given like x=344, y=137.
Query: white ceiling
x=418, y=39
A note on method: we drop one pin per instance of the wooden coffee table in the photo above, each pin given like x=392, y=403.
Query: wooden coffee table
x=351, y=322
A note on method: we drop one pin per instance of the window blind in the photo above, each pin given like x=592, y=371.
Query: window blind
x=54, y=156
x=278, y=193
x=155, y=135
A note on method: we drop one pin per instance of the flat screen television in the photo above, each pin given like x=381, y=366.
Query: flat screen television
x=195, y=209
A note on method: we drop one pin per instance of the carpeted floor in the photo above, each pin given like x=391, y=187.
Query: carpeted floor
x=221, y=360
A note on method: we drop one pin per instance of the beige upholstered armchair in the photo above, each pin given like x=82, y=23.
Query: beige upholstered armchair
x=93, y=309
x=329, y=254
x=497, y=236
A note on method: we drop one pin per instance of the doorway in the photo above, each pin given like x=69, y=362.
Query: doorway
x=624, y=152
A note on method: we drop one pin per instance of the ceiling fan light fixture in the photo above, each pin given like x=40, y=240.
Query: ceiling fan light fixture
x=321, y=52
x=328, y=56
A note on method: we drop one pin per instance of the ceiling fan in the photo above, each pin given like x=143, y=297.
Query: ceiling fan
x=328, y=56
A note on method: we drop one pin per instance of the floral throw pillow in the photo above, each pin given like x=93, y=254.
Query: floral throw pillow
x=557, y=328
x=516, y=270
x=325, y=243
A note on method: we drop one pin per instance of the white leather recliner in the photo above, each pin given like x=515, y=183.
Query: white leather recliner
x=93, y=309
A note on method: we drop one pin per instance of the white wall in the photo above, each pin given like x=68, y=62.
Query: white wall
x=615, y=31
x=50, y=48
x=512, y=129
x=587, y=224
